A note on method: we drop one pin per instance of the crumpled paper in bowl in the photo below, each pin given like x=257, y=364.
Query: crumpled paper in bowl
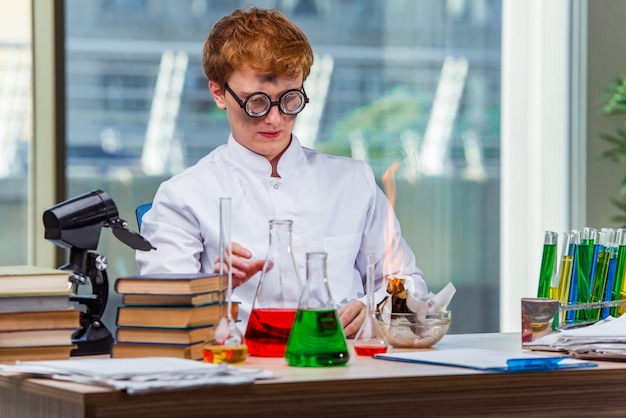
x=411, y=320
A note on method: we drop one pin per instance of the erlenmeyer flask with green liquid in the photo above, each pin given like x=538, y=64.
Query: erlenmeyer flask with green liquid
x=316, y=338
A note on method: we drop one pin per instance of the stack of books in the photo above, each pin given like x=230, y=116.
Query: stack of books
x=36, y=318
x=168, y=315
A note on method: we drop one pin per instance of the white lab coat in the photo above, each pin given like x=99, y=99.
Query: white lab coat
x=334, y=203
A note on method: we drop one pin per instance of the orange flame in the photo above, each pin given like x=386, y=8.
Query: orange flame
x=389, y=182
x=392, y=258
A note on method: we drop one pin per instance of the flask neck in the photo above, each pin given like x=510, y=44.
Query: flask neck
x=316, y=293
x=279, y=283
x=316, y=267
x=280, y=236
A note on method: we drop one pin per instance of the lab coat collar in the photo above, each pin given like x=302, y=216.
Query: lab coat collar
x=259, y=165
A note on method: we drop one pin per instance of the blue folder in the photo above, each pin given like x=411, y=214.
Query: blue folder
x=488, y=360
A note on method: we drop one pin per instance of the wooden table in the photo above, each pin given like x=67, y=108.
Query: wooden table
x=364, y=388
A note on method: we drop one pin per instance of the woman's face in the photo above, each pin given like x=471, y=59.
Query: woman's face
x=267, y=135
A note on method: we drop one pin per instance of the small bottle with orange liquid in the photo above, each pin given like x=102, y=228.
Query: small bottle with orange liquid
x=225, y=343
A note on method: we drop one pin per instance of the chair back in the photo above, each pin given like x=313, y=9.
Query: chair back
x=140, y=211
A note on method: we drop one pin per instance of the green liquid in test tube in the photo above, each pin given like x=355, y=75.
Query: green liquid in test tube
x=599, y=281
x=620, y=270
x=548, y=264
x=585, y=254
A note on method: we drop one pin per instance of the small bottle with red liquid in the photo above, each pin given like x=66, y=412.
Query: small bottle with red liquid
x=370, y=339
x=276, y=299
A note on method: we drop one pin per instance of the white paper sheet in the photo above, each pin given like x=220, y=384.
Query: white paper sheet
x=604, y=340
x=140, y=375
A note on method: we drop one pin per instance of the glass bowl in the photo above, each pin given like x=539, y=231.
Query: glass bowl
x=407, y=330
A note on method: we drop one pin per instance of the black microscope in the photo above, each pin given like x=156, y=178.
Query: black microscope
x=75, y=224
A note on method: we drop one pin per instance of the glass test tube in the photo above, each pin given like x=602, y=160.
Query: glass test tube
x=620, y=270
x=548, y=264
x=601, y=267
x=565, y=272
x=570, y=316
x=583, y=270
x=610, y=280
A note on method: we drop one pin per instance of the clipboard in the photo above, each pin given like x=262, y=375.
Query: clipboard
x=488, y=360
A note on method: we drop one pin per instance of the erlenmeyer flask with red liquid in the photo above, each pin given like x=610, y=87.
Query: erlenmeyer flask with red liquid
x=276, y=299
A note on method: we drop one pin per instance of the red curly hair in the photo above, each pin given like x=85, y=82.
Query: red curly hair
x=263, y=39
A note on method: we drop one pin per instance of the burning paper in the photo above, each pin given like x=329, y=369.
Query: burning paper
x=404, y=299
x=410, y=319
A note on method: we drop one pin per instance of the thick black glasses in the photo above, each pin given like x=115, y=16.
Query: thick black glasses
x=259, y=104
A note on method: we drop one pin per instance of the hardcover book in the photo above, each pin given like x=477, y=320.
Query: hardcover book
x=34, y=338
x=170, y=284
x=162, y=335
x=186, y=351
x=193, y=299
x=172, y=316
x=39, y=320
x=10, y=355
x=35, y=301
x=15, y=280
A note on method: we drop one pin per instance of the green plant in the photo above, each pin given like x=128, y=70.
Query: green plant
x=616, y=105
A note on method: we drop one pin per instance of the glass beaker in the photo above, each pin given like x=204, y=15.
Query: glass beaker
x=224, y=342
x=370, y=339
x=276, y=298
x=317, y=337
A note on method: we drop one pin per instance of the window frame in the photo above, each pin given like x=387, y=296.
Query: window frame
x=543, y=85
x=551, y=196
x=47, y=149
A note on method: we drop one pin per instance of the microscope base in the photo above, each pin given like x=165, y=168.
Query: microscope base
x=95, y=340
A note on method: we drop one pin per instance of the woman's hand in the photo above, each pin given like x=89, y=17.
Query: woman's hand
x=242, y=267
x=352, y=317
